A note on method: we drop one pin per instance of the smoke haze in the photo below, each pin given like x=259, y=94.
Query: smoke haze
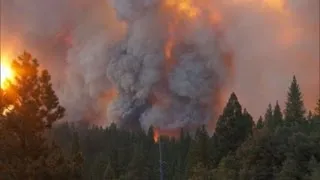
x=167, y=63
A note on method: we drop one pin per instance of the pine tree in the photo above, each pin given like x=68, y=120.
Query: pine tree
x=199, y=172
x=227, y=169
x=295, y=111
x=313, y=170
x=277, y=116
x=77, y=157
x=26, y=153
x=232, y=128
x=290, y=170
x=138, y=169
x=199, y=153
x=247, y=123
x=260, y=123
x=268, y=115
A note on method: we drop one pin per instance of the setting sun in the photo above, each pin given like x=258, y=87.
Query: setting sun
x=6, y=72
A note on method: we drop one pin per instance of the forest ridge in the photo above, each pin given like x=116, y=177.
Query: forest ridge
x=282, y=145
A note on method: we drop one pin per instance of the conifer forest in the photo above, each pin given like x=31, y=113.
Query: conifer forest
x=159, y=89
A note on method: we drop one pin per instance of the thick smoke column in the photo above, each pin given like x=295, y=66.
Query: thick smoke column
x=167, y=62
x=137, y=67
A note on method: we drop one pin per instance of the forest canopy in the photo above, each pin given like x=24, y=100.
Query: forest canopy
x=284, y=144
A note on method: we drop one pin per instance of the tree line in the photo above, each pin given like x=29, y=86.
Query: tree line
x=284, y=144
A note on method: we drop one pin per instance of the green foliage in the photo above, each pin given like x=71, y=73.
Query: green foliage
x=227, y=169
x=289, y=171
x=277, y=117
x=232, y=128
x=260, y=123
x=237, y=151
x=31, y=108
x=138, y=168
x=199, y=155
x=295, y=111
x=268, y=117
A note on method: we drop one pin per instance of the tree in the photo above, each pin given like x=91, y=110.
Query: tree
x=199, y=154
x=295, y=111
x=260, y=123
x=32, y=107
x=268, y=116
x=290, y=170
x=138, y=169
x=314, y=170
x=232, y=128
x=277, y=116
x=77, y=157
x=199, y=172
x=227, y=169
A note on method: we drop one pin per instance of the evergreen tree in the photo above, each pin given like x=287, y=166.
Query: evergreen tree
x=290, y=170
x=227, y=169
x=295, y=111
x=231, y=130
x=33, y=108
x=199, y=153
x=313, y=169
x=77, y=157
x=260, y=123
x=268, y=116
x=199, y=172
x=138, y=169
x=247, y=123
x=277, y=117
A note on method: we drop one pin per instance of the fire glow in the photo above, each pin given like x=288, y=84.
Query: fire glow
x=7, y=73
x=169, y=63
x=183, y=7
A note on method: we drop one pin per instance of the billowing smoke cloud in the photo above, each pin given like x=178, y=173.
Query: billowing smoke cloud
x=146, y=62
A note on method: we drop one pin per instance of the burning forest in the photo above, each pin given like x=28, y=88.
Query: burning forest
x=166, y=63
x=160, y=89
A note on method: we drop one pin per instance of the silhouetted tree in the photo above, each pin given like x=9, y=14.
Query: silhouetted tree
x=32, y=107
x=295, y=111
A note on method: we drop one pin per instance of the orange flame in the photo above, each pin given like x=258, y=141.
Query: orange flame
x=169, y=63
x=169, y=132
x=156, y=135
x=184, y=7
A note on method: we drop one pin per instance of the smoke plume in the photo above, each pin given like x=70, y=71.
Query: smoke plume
x=167, y=63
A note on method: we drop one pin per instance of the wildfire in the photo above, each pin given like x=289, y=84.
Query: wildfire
x=167, y=132
x=155, y=135
x=275, y=4
x=6, y=72
x=184, y=7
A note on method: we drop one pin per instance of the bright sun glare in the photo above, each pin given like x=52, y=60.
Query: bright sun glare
x=6, y=72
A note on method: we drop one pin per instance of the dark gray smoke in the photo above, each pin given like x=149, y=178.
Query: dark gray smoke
x=138, y=71
x=107, y=57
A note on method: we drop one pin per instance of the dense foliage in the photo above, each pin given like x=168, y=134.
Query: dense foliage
x=28, y=108
x=282, y=145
